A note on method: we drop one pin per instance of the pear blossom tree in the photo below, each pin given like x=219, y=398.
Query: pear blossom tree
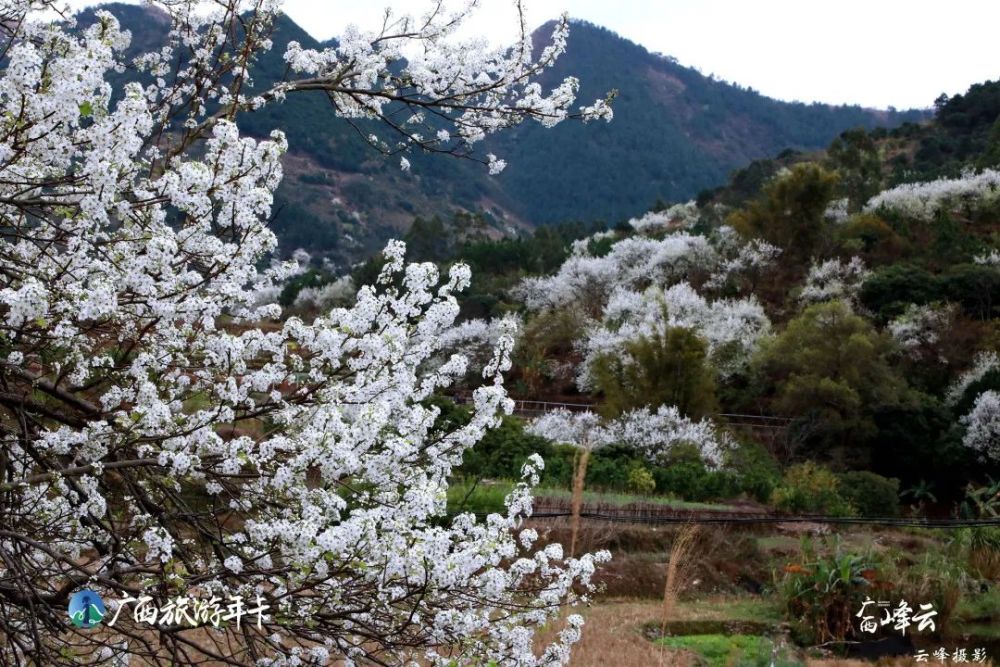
x=653, y=434
x=921, y=326
x=731, y=328
x=155, y=439
x=834, y=279
x=982, y=425
x=984, y=363
x=982, y=422
x=637, y=262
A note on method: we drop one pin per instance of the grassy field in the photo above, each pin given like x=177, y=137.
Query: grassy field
x=489, y=496
x=732, y=598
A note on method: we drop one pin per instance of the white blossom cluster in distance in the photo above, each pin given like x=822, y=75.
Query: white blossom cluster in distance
x=834, y=279
x=921, y=326
x=653, y=434
x=922, y=201
x=982, y=425
x=984, y=362
x=165, y=440
x=731, y=328
x=637, y=262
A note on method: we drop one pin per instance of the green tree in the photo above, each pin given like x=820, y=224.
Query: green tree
x=667, y=368
x=855, y=157
x=830, y=367
x=790, y=212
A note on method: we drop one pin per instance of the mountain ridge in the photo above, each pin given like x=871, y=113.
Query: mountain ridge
x=676, y=132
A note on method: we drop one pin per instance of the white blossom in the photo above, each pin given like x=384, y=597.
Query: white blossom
x=731, y=328
x=337, y=292
x=653, y=434
x=137, y=304
x=982, y=425
x=834, y=279
x=921, y=326
x=984, y=362
x=922, y=201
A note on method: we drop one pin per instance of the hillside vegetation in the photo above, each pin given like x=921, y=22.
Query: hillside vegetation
x=835, y=290
x=676, y=131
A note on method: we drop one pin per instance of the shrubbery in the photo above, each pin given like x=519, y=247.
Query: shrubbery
x=822, y=592
x=870, y=494
x=810, y=488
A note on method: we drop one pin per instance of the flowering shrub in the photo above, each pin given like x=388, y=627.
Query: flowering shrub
x=984, y=363
x=921, y=326
x=154, y=437
x=922, y=201
x=982, y=425
x=731, y=328
x=652, y=434
x=834, y=279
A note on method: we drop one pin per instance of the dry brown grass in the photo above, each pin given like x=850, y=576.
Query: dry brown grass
x=613, y=636
x=678, y=572
x=579, y=477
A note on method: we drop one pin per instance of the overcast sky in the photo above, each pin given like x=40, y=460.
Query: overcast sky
x=877, y=53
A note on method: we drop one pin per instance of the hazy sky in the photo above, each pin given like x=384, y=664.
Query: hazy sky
x=877, y=53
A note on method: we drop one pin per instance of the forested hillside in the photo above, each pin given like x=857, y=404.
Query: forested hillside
x=839, y=290
x=675, y=132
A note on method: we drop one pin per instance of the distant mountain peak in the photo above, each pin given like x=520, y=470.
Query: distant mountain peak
x=675, y=133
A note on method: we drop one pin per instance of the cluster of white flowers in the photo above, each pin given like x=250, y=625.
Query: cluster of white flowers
x=991, y=258
x=750, y=259
x=682, y=216
x=476, y=339
x=135, y=268
x=982, y=425
x=487, y=88
x=834, y=279
x=633, y=262
x=985, y=362
x=921, y=326
x=732, y=328
x=653, y=434
x=337, y=292
x=837, y=211
x=582, y=246
x=922, y=201
x=637, y=262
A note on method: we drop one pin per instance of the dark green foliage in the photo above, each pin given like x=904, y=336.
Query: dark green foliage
x=666, y=368
x=809, y=488
x=870, y=494
x=974, y=286
x=790, y=211
x=889, y=289
x=504, y=450
x=831, y=368
x=854, y=155
x=964, y=133
x=756, y=470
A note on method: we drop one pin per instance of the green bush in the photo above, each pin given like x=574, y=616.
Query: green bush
x=822, y=592
x=810, y=488
x=691, y=480
x=757, y=472
x=640, y=480
x=478, y=497
x=870, y=494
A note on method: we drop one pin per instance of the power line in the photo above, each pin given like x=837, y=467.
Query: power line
x=648, y=519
